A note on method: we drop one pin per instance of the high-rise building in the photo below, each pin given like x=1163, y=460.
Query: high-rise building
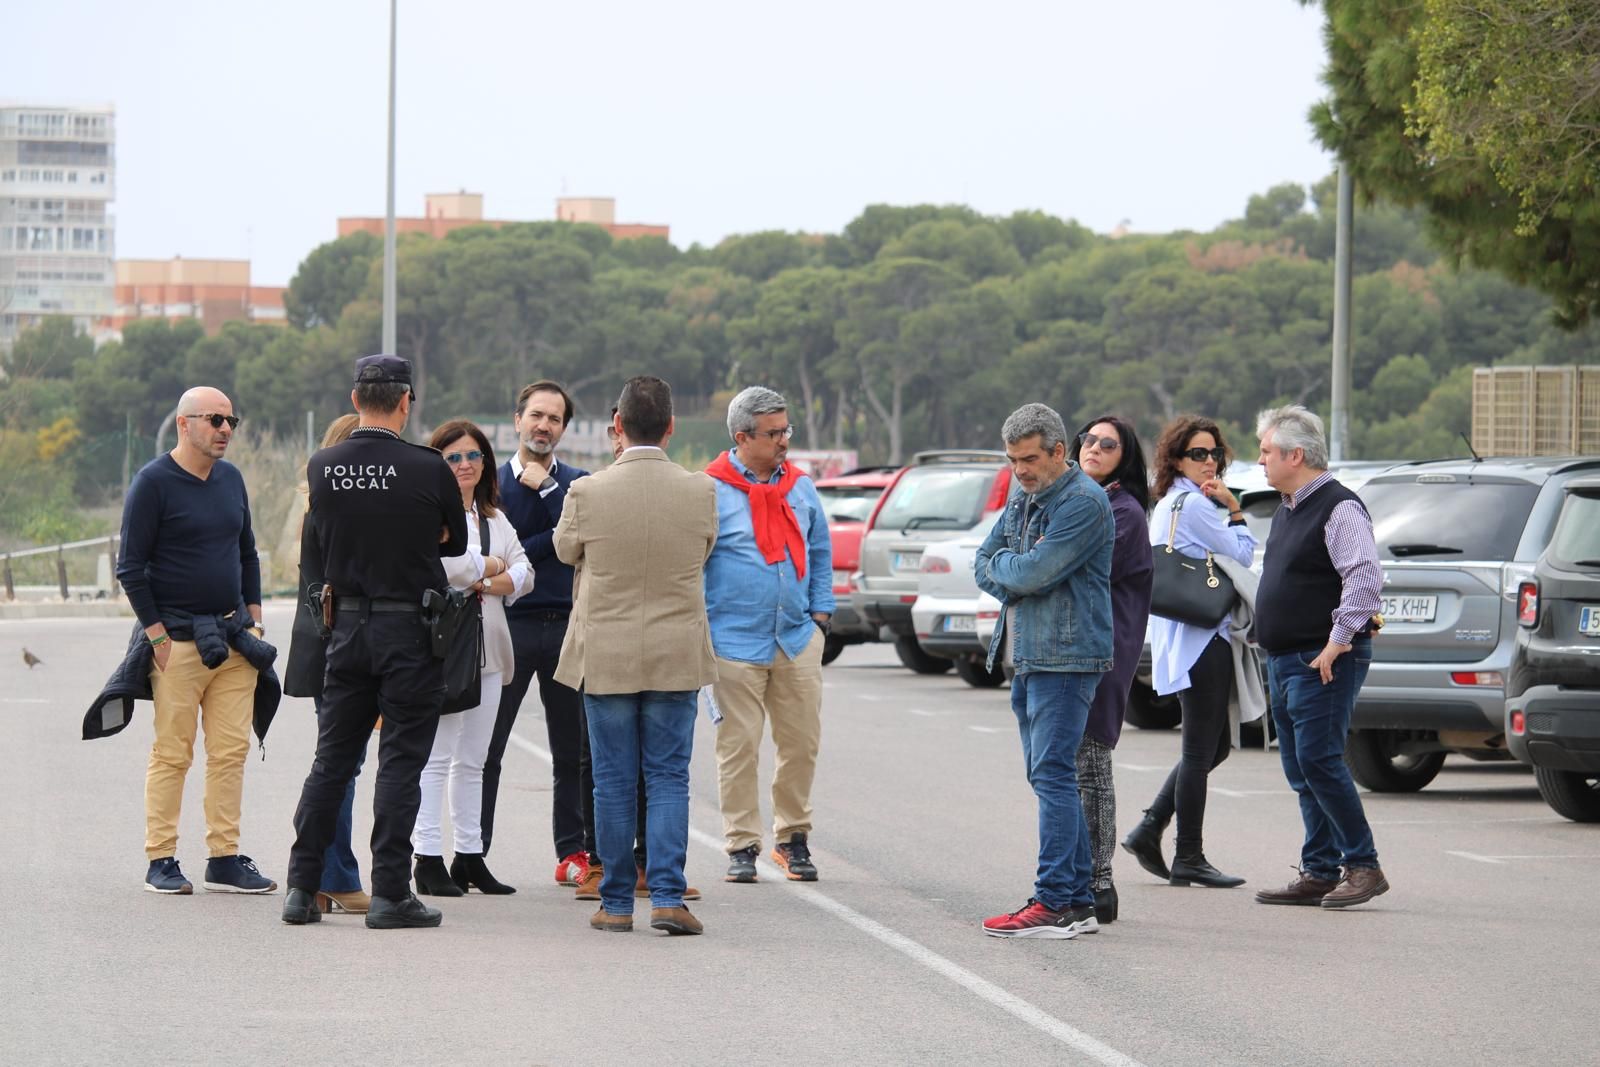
x=57, y=235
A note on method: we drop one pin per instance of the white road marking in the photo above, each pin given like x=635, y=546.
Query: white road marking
x=986, y=990
x=1140, y=767
x=991, y=729
x=1472, y=856
x=923, y=712
x=868, y=697
x=1453, y=822
x=1248, y=792
x=1539, y=856
x=23, y=700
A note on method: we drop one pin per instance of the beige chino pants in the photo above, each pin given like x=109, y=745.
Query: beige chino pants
x=788, y=692
x=187, y=696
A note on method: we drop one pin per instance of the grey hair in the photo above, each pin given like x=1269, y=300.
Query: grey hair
x=1032, y=419
x=1293, y=426
x=751, y=404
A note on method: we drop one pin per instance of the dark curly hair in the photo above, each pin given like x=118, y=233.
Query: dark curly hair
x=486, y=494
x=1130, y=472
x=1174, y=439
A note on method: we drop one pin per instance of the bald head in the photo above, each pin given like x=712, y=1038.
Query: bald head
x=201, y=444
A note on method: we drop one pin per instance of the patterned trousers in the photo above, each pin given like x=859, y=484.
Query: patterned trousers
x=1099, y=795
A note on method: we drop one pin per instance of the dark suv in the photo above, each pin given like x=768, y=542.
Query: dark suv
x=1457, y=538
x=1553, y=687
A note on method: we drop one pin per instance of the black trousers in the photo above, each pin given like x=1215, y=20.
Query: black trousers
x=536, y=644
x=377, y=665
x=1205, y=744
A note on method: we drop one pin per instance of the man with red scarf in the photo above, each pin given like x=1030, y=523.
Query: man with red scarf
x=769, y=598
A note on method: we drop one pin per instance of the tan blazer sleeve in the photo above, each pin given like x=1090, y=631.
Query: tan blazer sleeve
x=568, y=545
x=714, y=520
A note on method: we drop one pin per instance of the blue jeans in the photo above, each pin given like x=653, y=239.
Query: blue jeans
x=340, y=873
x=1051, y=709
x=1313, y=721
x=652, y=732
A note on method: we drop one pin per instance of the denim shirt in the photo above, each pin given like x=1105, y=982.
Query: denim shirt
x=1049, y=557
x=756, y=607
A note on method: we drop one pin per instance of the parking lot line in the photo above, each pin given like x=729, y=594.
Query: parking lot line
x=991, y=729
x=1141, y=767
x=917, y=952
x=1472, y=856
x=1537, y=856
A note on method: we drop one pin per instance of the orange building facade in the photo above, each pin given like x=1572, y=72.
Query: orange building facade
x=446, y=212
x=211, y=291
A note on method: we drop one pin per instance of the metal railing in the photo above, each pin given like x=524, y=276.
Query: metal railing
x=60, y=551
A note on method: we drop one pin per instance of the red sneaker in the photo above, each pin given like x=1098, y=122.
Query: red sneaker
x=571, y=869
x=1036, y=920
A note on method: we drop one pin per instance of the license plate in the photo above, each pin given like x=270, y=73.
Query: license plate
x=907, y=561
x=841, y=579
x=1402, y=608
x=1589, y=621
x=961, y=624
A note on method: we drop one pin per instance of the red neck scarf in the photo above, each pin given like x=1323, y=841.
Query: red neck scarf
x=770, y=514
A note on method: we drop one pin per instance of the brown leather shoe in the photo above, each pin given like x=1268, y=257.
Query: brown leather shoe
x=641, y=889
x=1303, y=890
x=589, y=886
x=355, y=902
x=1360, y=884
x=675, y=921
x=614, y=924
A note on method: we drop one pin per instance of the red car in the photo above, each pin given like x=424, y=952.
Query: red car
x=848, y=500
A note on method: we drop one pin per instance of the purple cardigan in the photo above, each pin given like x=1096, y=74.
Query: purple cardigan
x=1132, y=565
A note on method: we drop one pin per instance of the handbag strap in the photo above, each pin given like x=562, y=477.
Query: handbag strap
x=1172, y=535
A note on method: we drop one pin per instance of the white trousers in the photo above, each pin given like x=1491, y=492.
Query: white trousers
x=459, y=748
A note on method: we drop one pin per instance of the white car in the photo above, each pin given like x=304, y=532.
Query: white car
x=945, y=613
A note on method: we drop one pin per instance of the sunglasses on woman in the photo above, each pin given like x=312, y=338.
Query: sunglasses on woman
x=216, y=421
x=455, y=459
x=1104, y=444
x=1199, y=454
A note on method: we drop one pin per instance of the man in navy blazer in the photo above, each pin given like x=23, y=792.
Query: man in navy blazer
x=533, y=488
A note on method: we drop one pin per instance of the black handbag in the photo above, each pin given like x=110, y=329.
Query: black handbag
x=456, y=630
x=1185, y=589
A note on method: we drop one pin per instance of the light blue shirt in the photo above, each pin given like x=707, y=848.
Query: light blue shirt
x=756, y=607
x=1202, y=526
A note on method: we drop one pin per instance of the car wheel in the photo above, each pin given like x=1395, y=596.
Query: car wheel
x=1572, y=794
x=1150, y=712
x=831, y=647
x=975, y=674
x=912, y=656
x=1375, y=760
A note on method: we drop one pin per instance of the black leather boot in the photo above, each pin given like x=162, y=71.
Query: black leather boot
x=468, y=870
x=433, y=880
x=1144, y=844
x=1105, y=904
x=1194, y=869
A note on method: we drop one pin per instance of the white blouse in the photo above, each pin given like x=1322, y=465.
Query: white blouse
x=463, y=570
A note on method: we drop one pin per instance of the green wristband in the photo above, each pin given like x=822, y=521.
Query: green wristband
x=159, y=640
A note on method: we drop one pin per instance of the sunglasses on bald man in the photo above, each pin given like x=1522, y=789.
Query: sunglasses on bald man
x=216, y=420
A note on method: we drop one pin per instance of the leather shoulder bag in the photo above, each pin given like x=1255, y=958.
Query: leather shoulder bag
x=1185, y=589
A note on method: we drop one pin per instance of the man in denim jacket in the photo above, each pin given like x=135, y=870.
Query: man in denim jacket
x=1048, y=561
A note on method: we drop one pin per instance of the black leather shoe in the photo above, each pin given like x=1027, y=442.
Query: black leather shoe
x=300, y=907
x=1105, y=904
x=1195, y=870
x=1144, y=844
x=468, y=870
x=433, y=880
x=387, y=914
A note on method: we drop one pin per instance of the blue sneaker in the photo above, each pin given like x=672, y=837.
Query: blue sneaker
x=236, y=874
x=165, y=877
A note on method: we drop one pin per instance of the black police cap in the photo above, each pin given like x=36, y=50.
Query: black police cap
x=373, y=370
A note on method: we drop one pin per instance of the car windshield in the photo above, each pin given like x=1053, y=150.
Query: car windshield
x=1455, y=520
x=848, y=503
x=936, y=498
x=1577, y=538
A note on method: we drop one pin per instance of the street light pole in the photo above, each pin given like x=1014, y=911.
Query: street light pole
x=1339, y=431
x=388, y=220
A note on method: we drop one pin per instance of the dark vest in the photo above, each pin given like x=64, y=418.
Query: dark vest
x=1300, y=589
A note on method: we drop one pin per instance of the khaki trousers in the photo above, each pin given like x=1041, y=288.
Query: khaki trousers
x=187, y=695
x=789, y=693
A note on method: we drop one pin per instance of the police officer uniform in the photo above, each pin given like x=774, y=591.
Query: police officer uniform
x=378, y=505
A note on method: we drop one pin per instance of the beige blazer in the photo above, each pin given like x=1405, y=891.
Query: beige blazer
x=639, y=533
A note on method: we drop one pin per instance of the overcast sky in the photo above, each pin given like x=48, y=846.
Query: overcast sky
x=246, y=130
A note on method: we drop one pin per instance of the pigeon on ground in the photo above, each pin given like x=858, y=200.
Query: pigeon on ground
x=30, y=659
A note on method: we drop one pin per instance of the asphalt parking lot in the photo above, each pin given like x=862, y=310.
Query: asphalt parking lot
x=1483, y=951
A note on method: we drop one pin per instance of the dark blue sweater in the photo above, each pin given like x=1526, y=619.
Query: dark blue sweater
x=535, y=519
x=186, y=542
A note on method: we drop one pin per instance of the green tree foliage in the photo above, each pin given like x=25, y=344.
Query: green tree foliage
x=332, y=276
x=48, y=351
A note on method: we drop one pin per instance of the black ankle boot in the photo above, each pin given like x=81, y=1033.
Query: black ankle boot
x=1144, y=843
x=1105, y=904
x=433, y=880
x=468, y=870
x=1194, y=869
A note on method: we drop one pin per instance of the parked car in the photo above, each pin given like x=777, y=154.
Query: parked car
x=848, y=500
x=939, y=497
x=945, y=614
x=1457, y=539
x=1553, y=684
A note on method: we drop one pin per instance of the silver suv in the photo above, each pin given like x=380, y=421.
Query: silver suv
x=1456, y=538
x=940, y=496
